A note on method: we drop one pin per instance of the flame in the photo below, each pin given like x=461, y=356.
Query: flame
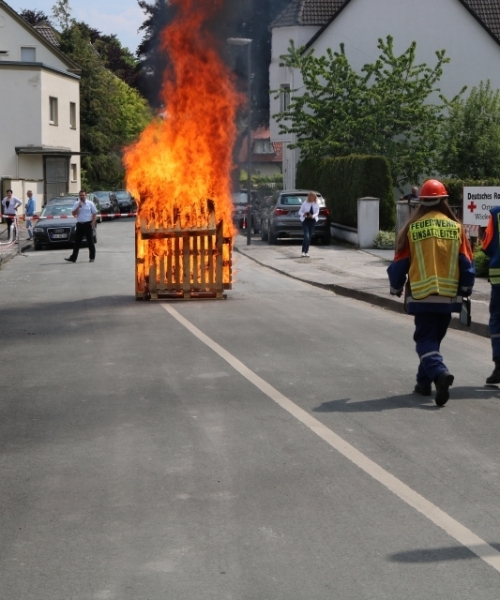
x=184, y=158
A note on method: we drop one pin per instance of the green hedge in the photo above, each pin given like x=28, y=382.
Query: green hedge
x=344, y=179
x=455, y=188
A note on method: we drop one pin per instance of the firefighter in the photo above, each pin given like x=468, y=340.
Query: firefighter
x=491, y=247
x=434, y=259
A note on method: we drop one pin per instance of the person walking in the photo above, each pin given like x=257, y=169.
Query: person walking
x=85, y=212
x=434, y=262
x=10, y=205
x=490, y=245
x=309, y=215
x=29, y=211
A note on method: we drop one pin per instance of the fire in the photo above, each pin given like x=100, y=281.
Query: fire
x=179, y=169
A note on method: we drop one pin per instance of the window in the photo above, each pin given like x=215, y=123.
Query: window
x=72, y=115
x=284, y=96
x=53, y=111
x=28, y=54
x=263, y=147
x=74, y=172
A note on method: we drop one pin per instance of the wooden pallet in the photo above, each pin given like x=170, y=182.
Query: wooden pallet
x=188, y=264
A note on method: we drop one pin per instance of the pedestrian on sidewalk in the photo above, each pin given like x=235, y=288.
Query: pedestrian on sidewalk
x=85, y=213
x=309, y=215
x=434, y=263
x=10, y=204
x=491, y=247
x=29, y=211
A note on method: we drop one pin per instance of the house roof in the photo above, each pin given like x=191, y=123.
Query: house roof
x=48, y=33
x=262, y=133
x=72, y=66
x=322, y=12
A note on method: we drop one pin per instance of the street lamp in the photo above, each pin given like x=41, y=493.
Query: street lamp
x=248, y=43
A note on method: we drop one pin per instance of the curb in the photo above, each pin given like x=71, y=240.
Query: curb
x=389, y=303
x=8, y=256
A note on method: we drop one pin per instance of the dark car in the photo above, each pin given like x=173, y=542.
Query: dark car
x=283, y=220
x=74, y=197
x=125, y=201
x=56, y=226
x=108, y=203
x=240, y=204
x=266, y=206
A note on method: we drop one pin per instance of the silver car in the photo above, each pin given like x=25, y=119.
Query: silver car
x=283, y=219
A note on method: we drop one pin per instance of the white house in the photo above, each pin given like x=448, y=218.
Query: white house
x=469, y=31
x=39, y=112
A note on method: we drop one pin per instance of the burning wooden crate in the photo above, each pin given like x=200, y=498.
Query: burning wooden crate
x=182, y=263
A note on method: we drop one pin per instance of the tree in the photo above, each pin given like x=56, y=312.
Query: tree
x=34, y=17
x=471, y=135
x=383, y=110
x=111, y=113
x=61, y=11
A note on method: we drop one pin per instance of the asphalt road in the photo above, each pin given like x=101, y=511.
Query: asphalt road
x=262, y=448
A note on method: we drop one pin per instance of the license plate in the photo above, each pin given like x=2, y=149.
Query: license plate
x=59, y=236
x=294, y=214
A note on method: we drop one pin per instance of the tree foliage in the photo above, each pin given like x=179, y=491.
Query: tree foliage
x=112, y=113
x=34, y=17
x=383, y=110
x=471, y=135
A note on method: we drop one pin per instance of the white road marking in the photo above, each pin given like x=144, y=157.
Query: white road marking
x=432, y=512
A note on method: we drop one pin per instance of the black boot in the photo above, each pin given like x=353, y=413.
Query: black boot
x=495, y=376
x=443, y=382
x=423, y=390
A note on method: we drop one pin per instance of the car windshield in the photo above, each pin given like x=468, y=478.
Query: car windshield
x=240, y=198
x=67, y=199
x=57, y=210
x=102, y=195
x=122, y=195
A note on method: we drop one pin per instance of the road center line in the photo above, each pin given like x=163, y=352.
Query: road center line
x=452, y=527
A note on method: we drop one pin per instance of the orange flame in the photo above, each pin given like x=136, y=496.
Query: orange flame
x=185, y=158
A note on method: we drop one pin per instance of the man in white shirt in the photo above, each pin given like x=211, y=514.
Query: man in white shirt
x=9, y=207
x=85, y=213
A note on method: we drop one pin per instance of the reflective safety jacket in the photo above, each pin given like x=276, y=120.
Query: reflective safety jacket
x=491, y=245
x=437, y=261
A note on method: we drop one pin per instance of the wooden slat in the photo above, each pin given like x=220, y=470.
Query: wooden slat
x=169, y=265
x=210, y=261
x=203, y=266
x=196, y=278
x=161, y=274
x=186, y=276
x=219, y=283
x=177, y=273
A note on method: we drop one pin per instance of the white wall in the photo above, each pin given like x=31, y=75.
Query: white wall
x=66, y=90
x=434, y=25
x=13, y=35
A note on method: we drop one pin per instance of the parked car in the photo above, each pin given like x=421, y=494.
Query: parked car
x=266, y=206
x=74, y=197
x=283, y=219
x=56, y=226
x=108, y=203
x=240, y=203
x=125, y=201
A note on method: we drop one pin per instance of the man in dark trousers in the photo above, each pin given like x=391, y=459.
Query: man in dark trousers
x=85, y=213
x=491, y=247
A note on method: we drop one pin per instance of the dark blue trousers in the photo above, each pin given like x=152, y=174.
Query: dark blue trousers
x=308, y=226
x=495, y=321
x=430, y=329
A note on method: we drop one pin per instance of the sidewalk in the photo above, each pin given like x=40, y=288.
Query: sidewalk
x=7, y=254
x=347, y=271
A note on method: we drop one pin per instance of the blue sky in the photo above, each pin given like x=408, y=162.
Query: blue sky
x=122, y=17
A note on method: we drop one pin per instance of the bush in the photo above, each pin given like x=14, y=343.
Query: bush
x=481, y=261
x=455, y=188
x=385, y=240
x=344, y=179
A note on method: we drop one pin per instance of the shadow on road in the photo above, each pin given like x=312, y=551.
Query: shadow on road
x=408, y=401
x=431, y=555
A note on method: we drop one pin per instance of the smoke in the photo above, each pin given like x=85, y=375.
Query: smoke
x=241, y=18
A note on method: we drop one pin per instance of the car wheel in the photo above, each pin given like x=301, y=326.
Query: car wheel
x=327, y=239
x=273, y=239
x=37, y=246
x=263, y=235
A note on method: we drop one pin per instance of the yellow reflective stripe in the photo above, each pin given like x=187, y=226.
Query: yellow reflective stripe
x=494, y=272
x=421, y=261
x=454, y=259
x=444, y=280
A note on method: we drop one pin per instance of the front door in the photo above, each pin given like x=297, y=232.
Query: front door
x=56, y=177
